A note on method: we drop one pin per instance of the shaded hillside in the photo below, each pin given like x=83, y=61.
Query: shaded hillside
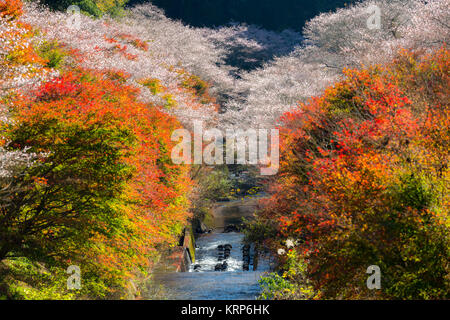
x=272, y=15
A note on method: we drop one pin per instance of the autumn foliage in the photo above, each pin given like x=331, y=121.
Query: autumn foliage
x=364, y=181
x=10, y=8
x=104, y=186
x=91, y=181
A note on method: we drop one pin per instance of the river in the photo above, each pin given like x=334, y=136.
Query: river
x=203, y=282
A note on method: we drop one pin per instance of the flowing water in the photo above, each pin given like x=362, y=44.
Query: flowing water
x=203, y=282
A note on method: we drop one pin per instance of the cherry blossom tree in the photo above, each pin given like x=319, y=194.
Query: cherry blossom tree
x=334, y=41
x=20, y=69
x=146, y=46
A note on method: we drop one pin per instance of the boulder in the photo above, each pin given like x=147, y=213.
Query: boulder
x=197, y=267
x=201, y=227
x=221, y=266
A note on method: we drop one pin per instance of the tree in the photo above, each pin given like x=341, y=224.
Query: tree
x=362, y=181
x=102, y=191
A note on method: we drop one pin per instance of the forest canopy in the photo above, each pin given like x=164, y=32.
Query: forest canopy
x=272, y=15
x=89, y=104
